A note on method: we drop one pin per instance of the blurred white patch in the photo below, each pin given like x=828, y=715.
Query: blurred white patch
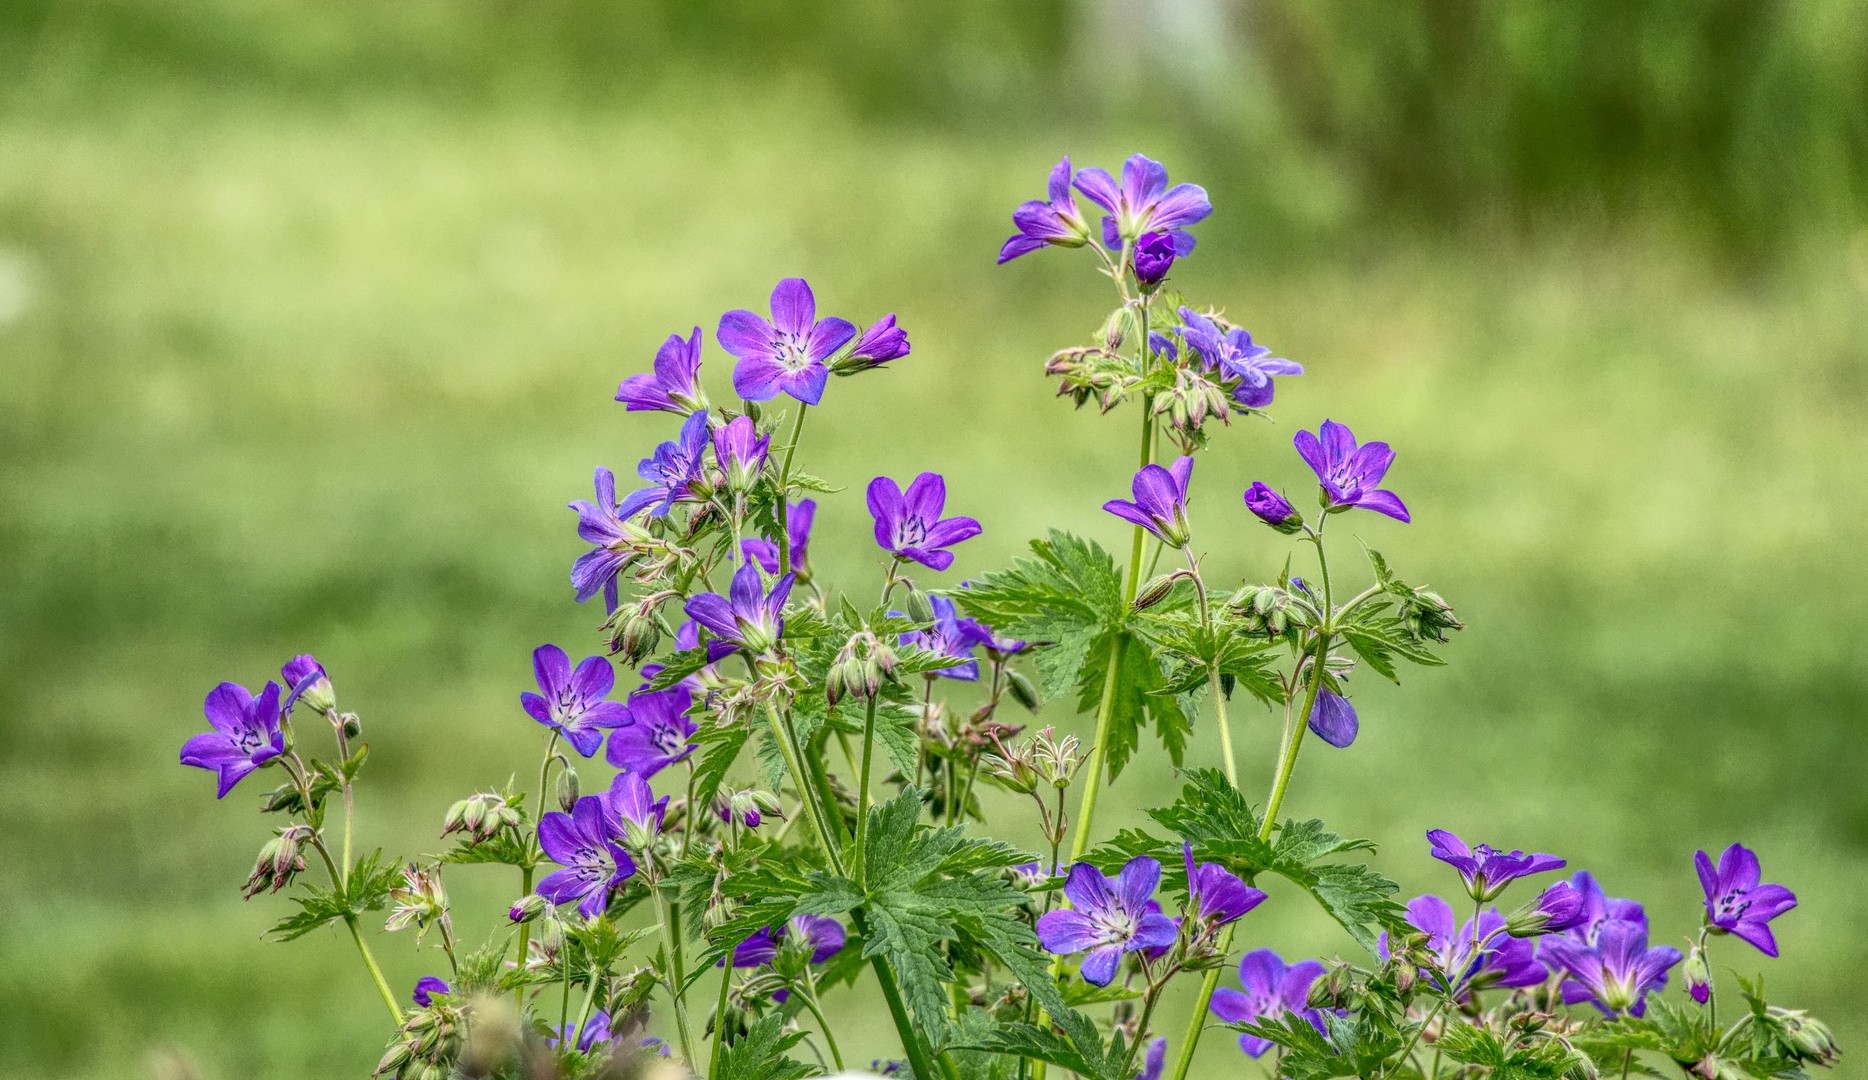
x=16, y=283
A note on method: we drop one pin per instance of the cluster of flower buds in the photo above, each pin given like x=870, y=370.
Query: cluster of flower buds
x=748, y=807
x=634, y=628
x=1093, y=372
x=1190, y=403
x=1423, y=613
x=279, y=861
x=419, y=902
x=480, y=816
x=428, y=1041
x=861, y=665
x=1406, y=956
x=1270, y=609
x=1805, y=1037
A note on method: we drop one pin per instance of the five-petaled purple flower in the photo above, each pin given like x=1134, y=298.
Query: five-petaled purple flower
x=246, y=733
x=596, y=1030
x=1272, y=508
x=584, y=842
x=1110, y=916
x=656, y=734
x=1349, y=474
x=798, y=525
x=633, y=806
x=1487, y=870
x=1143, y=202
x=909, y=525
x=426, y=987
x=573, y=701
x=741, y=452
x=1617, y=972
x=1041, y=224
x=675, y=473
x=1160, y=504
x=307, y=681
x=1501, y=960
x=1271, y=990
x=949, y=636
x=1216, y=896
x=1735, y=903
x=599, y=523
x=823, y=934
x=747, y=618
x=787, y=354
x=1155, y=253
x=1333, y=718
x=675, y=385
x=1234, y=353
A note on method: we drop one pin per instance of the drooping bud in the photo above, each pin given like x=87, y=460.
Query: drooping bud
x=528, y=907
x=1155, y=591
x=1022, y=691
x=353, y=727
x=279, y=861
x=568, y=789
x=1272, y=509
x=1811, y=1037
x=480, y=816
x=1697, y=975
x=638, y=636
x=919, y=607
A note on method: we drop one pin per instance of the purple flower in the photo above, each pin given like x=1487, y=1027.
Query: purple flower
x=1235, y=354
x=1271, y=990
x=687, y=636
x=675, y=474
x=426, y=986
x=1155, y=253
x=787, y=354
x=246, y=733
x=306, y=679
x=1502, y=960
x=599, y=523
x=1152, y=1062
x=573, y=701
x=949, y=636
x=1110, y=916
x=909, y=526
x=1334, y=719
x=584, y=842
x=1598, y=909
x=1144, y=203
x=748, y=816
x=656, y=734
x=1214, y=895
x=632, y=804
x=749, y=620
x=823, y=935
x=1349, y=474
x=1735, y=903
x=1272, y=509
x=798, y=526
x=1487, y=870
x=1028, y=876
x=1617, y=972
x=675, y=386
x=1556, y=909
x=596, y=1030
x=879, y=344
x=741, y=452
x=1041, y=224
x=1160, y=504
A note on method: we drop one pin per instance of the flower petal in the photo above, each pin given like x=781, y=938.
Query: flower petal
x=794, y=309
x=551, y=668
x=745, y=335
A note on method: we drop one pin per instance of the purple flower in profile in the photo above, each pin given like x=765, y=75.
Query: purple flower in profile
x=741, y=452
x=1616, y=973
x=307, y=681
x=656, y=733
x=1556, y=909
x=1349, y=474
x=909, y=525
x=1234, y=353
x=1043, y=224
x=823, y=935
x=1109, y=917
x=879, y=344
x=246, y=733
x=798, y=526
x=1501, y=960
x=1487, y=870
x=1143, y=202
x=599, y=523
x=987, y=638
x=1334, y=719
x=425, y=987
x=749, y=619
x=675, y=386
x=1272, y=508
x=1155, y=253
x=1153, y=1060
x=787, y=354
x=573, y=701
x=949, y=636
x=1735, y=903
x=632, y=804
x=1214, y=894
x=1160, y=504
x=1271, y=990
x=584, y=843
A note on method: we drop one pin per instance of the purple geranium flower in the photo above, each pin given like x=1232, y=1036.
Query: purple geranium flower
x=749, y=620
x=306, y=679
x=1110, y=917
x=1556, y=909
x=656, y=735
x=1160, y=504
x=1598, y=909
x=787, y=354
x=675, y=473
x=798, y=525
x=1735, y=903
x=1348, y=473
x=1502, y=960
x=1272, y=508
x=879, y=344
x=949, y=636
x=599, y=523
x=1153, y=1060
x=246, y=733
x=675, y=386
x=1487, y=870
x=1155, y=253
x=1143, y=202
x=1041, y=224
x=823, y=934
x=1271, y=990
x=1235, y=354
x=596, y=1030
x=1617, y=972
x=425, y=987
x=584, y=842
x=1215, y=895
x=909, y=526
x=632, y=804
x=741, y=452
x=573, y=701
x=687, y=636
x=1333, y=718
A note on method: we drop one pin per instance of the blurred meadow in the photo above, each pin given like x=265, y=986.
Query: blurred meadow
x=311, y=314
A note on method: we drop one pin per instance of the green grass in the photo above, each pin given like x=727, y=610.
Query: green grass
x=289, y=378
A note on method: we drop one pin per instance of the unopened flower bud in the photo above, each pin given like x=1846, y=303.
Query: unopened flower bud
x=1697, y=975
x=528, y=907
x=1405, y=975
x=1155, y=591
x=1022, y=691
x=767, y=802
x=638, y=636
x=1154, y=255
x=919, y=607
x=353, y=727
x=1810, y=1036
x=567, y=789
x=1557, y=908
x=1272, y=509
x=278, y=862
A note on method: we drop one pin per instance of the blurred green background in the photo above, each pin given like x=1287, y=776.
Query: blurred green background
x=311, y=313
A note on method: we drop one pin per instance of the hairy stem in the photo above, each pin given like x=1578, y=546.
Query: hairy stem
x=784, y=485
x=807, y=793
x=376, y=973
x=1415, y=1041
x=862, y=793
x=671, y=937
x=810, y=1002
x=719, y=1015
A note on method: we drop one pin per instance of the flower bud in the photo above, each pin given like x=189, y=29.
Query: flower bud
x=1155, y=591
x=1272, y=509
x=1811, y=1037
x=1022, y=691
x=636, y=640
x=1154, y=254
x=1557, y=908
x=353, y=727
x=528, y=907
x=278, y=862
x=1697, y=975
x=919, y=607
x=567, y=789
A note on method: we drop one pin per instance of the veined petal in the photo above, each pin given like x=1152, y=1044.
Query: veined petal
x=1129, y=512
x=713, y=612
x=1311, y=450
x=226, y=708
x=747, y=592
x=1433, y=916
x=1261, y=972
x=1064, y=931
x=564, y=886
x=926, y=497
x=887, y=507
x=933, y=560
x=1099, y=187
x=1181, y=471
x=806, y=384
x=950, y=531
x=1018, y=245
x=1384, y=502
x=1137, y=882
x=594, y=679
x=1099, y=967
x=827, y=337
x=794, y=309
x=551, y=669
x=1738, y=868
x=1182, y=205
x=745, y=335
x=1058, y=185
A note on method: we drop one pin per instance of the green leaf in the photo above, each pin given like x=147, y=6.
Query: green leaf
x=503, y=847
x=367, y=889
x=1529, y=1058
x=677, y=666
x=723, y=746
x=1137, y=699
x=806, y=482
x=760, y=1054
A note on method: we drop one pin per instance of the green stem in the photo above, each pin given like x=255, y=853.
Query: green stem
x=1225, y=726
x=583, y=1010
x=671, y=937
x=1198, y=1024
x=1627, y=1060
x=810, y=1002
x=807, y=795
x=912, y=1045
x=1141, y=1029
x=784, y=486
x=525, y=872
x=376, y=973
x=862, y=793
x=1415, y=1041
x=719, y=1018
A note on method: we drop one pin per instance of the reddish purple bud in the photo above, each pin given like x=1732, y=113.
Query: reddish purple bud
x=1272, y=509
